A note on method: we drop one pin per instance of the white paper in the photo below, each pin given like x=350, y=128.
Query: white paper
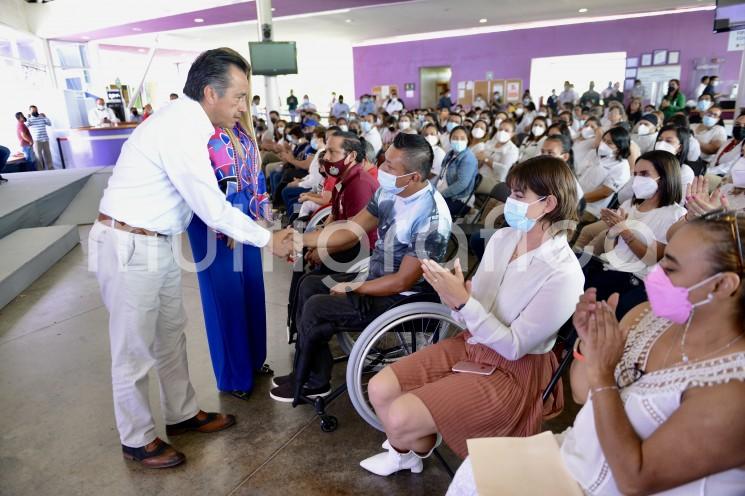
x=384, y=90
x=647, y=59
x=736, y=41
x=520, y=466
x=660, y=57
x=461, y=85
x=461, y=94
x=409, y=94
x=469, y=85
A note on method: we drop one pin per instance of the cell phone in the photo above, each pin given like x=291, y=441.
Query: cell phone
x=474, y=368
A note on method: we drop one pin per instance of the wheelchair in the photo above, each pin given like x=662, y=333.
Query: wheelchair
x=410, y=324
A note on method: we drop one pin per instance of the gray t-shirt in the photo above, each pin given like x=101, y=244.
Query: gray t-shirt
x=417, y=226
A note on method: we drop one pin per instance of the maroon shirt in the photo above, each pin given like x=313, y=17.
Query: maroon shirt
x=24, y=136
x=351, y=195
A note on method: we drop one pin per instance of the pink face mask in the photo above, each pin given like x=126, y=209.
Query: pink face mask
x=669, y=301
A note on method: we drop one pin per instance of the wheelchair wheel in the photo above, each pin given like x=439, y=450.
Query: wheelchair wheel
x=397, y=333
x=318, y=218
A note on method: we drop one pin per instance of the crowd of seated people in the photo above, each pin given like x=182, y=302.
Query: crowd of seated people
x=648, y=198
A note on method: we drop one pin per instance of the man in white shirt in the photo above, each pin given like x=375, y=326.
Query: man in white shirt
x=101, y=114
x=568, y=95
x=162, y=177
x=393, y=104
x=371, y=133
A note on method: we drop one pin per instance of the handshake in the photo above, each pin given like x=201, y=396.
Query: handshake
x=286, y=243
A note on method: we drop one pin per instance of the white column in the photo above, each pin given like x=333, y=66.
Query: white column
x=266, y=33
x=740, y=103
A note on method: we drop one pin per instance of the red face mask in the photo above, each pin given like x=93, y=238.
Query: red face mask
x=336, y=169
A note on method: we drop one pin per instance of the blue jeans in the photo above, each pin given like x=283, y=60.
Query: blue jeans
x=274, y=179
x=28, y=153
x=290, y=197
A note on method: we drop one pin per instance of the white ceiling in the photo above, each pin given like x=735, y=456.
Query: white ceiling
x=420, y=16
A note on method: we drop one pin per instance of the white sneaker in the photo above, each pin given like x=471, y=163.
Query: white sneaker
x=392, y=461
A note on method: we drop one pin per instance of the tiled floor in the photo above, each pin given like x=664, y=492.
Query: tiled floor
x=58, y=435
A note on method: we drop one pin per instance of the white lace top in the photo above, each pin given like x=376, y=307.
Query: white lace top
x=649, y=401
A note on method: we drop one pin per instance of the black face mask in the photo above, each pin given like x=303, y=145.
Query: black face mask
x=738, y=132
x=35, y=114
x=273, y=119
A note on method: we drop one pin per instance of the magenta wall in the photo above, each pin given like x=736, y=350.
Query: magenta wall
x=508, y=54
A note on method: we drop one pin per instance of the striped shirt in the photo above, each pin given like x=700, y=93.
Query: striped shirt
x=38, y=127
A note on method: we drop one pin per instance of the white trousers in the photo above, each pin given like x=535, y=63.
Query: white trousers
x=141, y=287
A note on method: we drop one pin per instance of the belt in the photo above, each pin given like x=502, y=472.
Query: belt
x=123, y=226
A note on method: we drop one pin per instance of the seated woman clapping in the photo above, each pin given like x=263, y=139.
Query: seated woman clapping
x=663, y=390
x=527, y=269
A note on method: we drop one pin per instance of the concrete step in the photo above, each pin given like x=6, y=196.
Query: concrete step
x=26, y=254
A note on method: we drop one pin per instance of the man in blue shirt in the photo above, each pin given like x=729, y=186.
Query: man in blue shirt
x=413, y=223
x=367, y=105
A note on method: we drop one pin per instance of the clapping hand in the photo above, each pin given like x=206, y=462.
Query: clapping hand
x=603, y=339
x=613, y=217
x=698, y=200
x=452, y=288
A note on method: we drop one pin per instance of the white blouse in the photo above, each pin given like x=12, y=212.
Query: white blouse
x=500, y=161
x=649, y=402
x=508, y=308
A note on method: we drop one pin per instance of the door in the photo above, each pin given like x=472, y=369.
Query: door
x=433, y=81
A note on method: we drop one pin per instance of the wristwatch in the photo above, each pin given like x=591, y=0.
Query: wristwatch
x=459, y=307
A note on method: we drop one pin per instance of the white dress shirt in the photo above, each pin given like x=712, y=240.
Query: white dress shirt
x=393, y=105
x=163, y=176
x=608, y=172
x=499, y=161
x=373, y=137
x=96, y=116
x=517, y=307
x=706, y=135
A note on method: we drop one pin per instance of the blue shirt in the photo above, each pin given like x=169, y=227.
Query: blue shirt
x=417, y=226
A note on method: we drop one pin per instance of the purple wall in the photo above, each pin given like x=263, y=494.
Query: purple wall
x=508, y=54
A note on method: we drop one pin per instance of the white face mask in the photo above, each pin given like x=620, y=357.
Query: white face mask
x=503, y=136
x=478, y=133
x=538, y=130
x=404, y=125
x=519, y=111
x=588, y=133
x=344, y=128
x=605, y=151
x=100, y=107
x=665, y=146
x=643, y=130
x=432, y=139
x=738, y=173
x=644, y=187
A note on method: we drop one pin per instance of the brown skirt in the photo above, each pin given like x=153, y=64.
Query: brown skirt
x=466, y=406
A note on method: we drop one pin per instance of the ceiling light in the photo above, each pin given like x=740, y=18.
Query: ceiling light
x=86, y=37
x=348, y=21
x=141, y=50
x=198, y=20
x=482, y=21
x=582, y=10
x=273, y=9
x=136, y=29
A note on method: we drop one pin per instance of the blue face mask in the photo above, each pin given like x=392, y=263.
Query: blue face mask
x=516, y=214
x=450, y=126
x=366, y=126
x=458, y=146
x=710, y=121
x=388, y=182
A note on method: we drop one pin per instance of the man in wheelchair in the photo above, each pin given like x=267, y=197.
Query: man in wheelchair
x=413, y=223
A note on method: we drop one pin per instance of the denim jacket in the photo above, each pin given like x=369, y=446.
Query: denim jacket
x=460, y=171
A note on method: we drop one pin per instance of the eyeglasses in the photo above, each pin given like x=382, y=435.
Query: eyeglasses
x=731, y=217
